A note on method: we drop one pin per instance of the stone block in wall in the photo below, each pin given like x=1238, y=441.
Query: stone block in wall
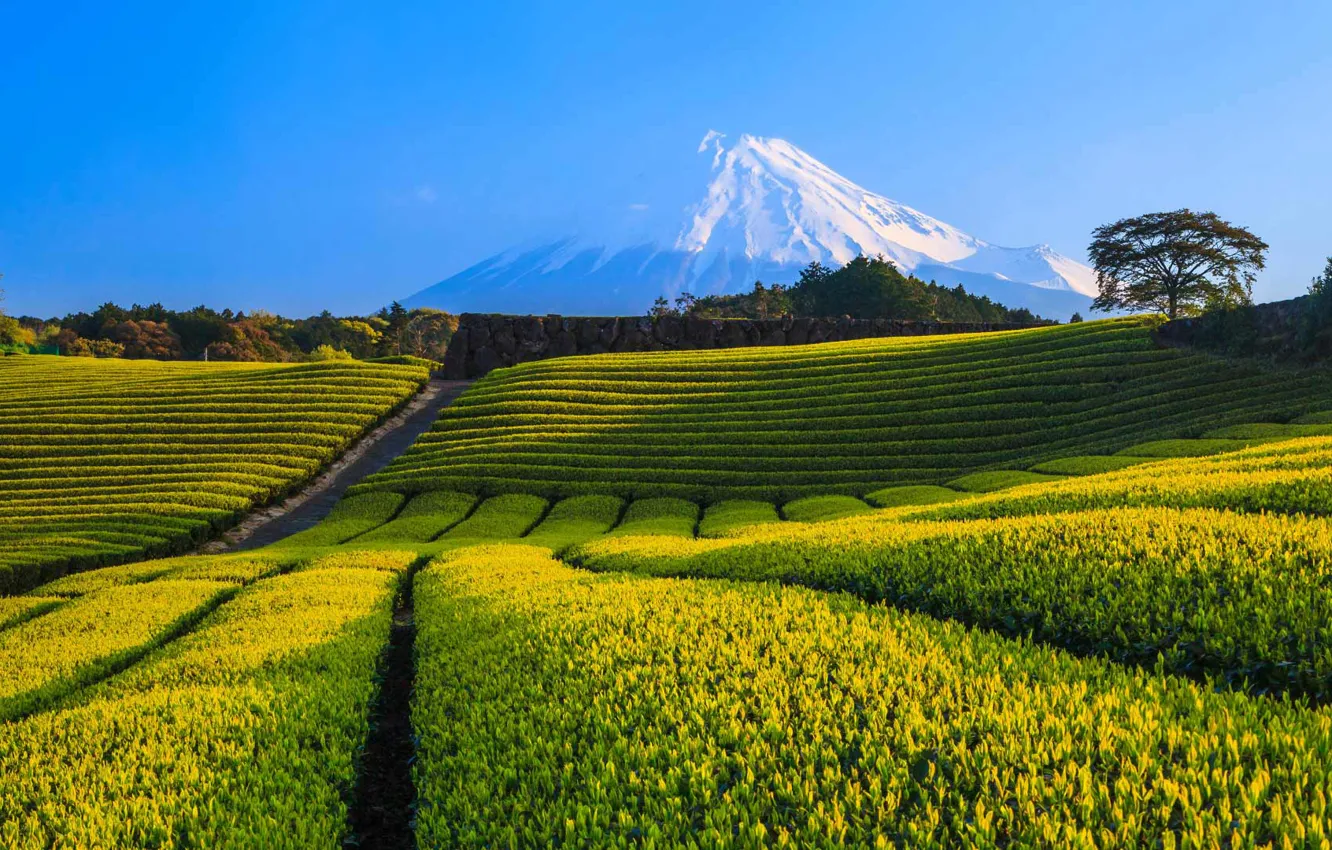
x=504, y=342
x=629, y=336
x=564, y=344
x=798, y=332
x=529, y=330
x=606, y=333
x=484, y=360
x=667, y=330
x=700, y=333
x=733, y=335
x=480, y=335
x=455, y=357
x=587, y=332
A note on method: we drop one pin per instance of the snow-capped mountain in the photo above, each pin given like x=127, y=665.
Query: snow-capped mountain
x=769, y=209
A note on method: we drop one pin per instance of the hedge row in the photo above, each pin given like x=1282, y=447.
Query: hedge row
x=839, y=418
x=102, y=461
x=243, y=733
x=1206, y=593
x=557, y=709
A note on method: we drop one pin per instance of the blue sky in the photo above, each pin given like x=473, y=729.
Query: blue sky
x=302, y=156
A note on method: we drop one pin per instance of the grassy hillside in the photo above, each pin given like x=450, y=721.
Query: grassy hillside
x=849, y=418
x=105, y=460
x=793, y=669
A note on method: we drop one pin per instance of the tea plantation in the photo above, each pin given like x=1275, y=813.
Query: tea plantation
x=779, y=423
x=106, y=460
x=1050, y=588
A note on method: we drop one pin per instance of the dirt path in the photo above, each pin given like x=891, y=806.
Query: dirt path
x=374, y=451
x=380, y=814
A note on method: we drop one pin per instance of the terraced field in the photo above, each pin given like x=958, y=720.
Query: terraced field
x=779, y=423
x=632, y=668
x=105, y=460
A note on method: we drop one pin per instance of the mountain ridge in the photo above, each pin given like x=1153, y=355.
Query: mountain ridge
x=768, y=210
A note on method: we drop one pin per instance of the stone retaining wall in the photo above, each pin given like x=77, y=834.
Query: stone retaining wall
x=485, y=342
x=1285, y=330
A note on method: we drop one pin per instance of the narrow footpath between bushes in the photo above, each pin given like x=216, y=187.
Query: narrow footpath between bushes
x=381, y=809
x=372, y=453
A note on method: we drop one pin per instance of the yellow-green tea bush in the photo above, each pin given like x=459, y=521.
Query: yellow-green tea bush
x=1285, y=477
x=90, y=581
x=1239, y=597
x=663, y=516
x=1268, y=431
x=824, y=508
x=998, y=479
x=576, y=520
x=235, y=568
x=1089, y=464
x=240, y=568
x=17, y=609
x=497, y=518
x=350, y=518
x=913, y=494
x=558, y=709
x=47, y=657
x=109, y=460
x=727, y=517
x=244, y=733
x=387, y=560
x=1187, y=448
x=425, y=517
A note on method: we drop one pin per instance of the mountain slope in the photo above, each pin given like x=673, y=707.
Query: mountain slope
x=769, y=210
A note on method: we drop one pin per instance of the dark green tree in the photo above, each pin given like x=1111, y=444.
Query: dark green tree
x=1175, y=263
x=862, y=289
x=1317, y=319
x=395, y=318
x=1321, y=287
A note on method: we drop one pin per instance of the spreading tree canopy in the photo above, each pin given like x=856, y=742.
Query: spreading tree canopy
x=1174, y=262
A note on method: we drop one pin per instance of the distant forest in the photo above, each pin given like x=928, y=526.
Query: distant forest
x=865, y=288
x=154, y=332
x=862, y=289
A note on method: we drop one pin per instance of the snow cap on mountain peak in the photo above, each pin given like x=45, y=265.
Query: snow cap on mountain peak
x=770, y=200
x=712, y=141
x=768, y=210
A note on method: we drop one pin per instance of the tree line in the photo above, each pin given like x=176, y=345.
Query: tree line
x=202, y=333
x=865, y=288
x=1180, y=263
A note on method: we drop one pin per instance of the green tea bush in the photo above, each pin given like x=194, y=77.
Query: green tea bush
x=558, y=709
x=780, y=423
x=822, y=508
x=1088, y=464
x=103, y=461
x=576, y=520
x=664, y=516
x=243, y=733
x=997, y=479
x=498, y=518
x=726, y=517
x=919, y=494
x=1201, y=592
